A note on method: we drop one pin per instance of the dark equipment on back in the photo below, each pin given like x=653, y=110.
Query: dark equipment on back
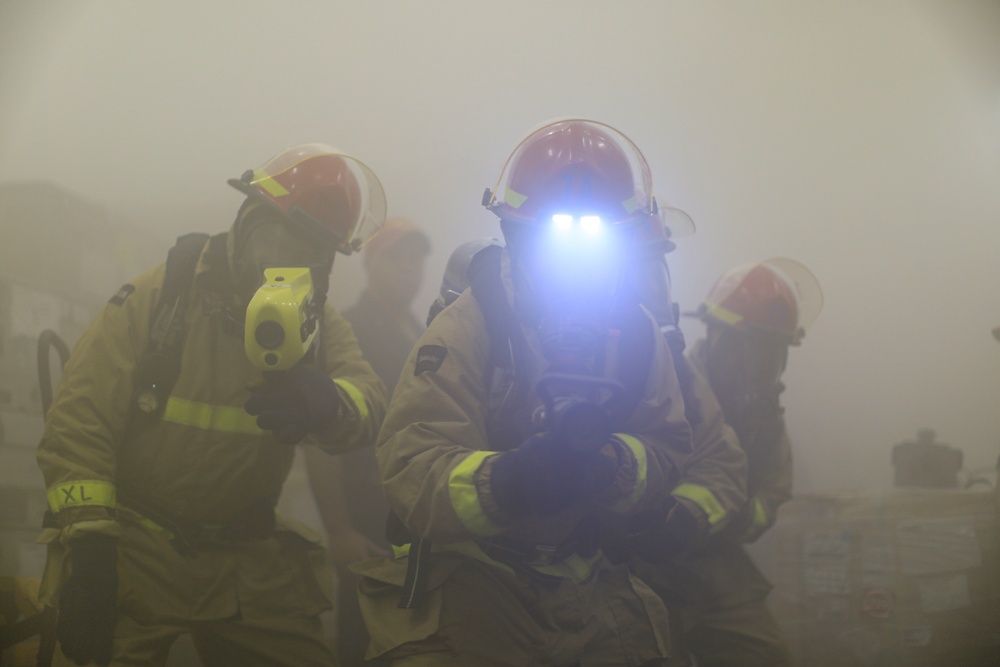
x=926, y=463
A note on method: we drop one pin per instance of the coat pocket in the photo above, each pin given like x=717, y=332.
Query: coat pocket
x=397, y=632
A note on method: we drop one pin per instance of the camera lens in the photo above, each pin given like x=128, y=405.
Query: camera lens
x=269, y=334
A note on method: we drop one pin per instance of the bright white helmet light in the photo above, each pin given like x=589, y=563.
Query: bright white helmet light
x=562, y=222
x=590, y=224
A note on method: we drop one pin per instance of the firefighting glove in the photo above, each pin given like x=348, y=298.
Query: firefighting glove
x=661, y=534
x=301, y=400
x=88, y=601
x=545, y=476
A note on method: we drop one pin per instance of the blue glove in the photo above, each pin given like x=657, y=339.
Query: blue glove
x=299, y=401
x=88, y=601
x=545, y=476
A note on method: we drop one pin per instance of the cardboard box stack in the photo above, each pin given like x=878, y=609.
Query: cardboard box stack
x=902, y=578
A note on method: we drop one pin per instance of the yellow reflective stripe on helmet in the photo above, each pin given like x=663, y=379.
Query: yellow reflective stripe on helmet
x=513, y=199
x=271, y=186
x=630, y=204
x=704, y=499
x=641, y=468
x=724, y=315
x=224, y=418
x=759, y=514
x=81, y=493
x=465, y=498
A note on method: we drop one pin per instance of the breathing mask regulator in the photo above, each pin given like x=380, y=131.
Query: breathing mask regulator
x=566, y=280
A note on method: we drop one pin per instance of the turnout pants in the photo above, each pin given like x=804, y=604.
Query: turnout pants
x=743, y=635
x=259, y=642
x=476, y=614
x=252, y=602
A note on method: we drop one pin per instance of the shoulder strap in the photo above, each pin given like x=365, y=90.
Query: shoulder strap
x=160, y=366
x=635, y=353
x=508, y=347
x=178, y=277
x=685, y=376
x=484, y=279
x=182, y=260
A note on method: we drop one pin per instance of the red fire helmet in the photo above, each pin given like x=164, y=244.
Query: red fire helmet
x=584, y=172
x=776, y=297
x=328, y=193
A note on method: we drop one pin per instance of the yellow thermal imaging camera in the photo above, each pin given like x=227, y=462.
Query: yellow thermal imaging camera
x=281, y=319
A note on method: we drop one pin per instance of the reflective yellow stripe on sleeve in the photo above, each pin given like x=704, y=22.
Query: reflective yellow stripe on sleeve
x=357, y=398
x=759, y=514
x=465, y=498
x=81, y=493
x=360, y=406
x=641, y=466
x=224, y=418
x=704, y=499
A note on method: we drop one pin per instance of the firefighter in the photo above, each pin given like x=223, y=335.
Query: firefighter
x=347, y=488
x=538, y=407
x=753, y=314
x=165, y=449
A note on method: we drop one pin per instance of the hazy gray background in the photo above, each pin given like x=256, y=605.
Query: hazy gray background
x=859, y=137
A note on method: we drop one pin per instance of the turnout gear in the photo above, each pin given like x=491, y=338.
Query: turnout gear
x=88, y=602
x=189, y=490
x=437, y=433
x=294, y=403
x=715, y=595
x=491, y=502
x=546, y=476
x=710, y=494
x=335, y=198
x=763, y=438
x=753, y=313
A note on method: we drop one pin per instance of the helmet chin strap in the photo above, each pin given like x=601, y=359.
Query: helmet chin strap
x=321, y=281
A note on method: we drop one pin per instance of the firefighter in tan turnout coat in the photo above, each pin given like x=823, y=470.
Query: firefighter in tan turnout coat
x=715, y=593
x=539, y=408
x=163, y=467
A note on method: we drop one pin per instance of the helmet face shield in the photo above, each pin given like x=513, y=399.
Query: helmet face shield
x=373, y=204
x=656, y=234
x=807, y=290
